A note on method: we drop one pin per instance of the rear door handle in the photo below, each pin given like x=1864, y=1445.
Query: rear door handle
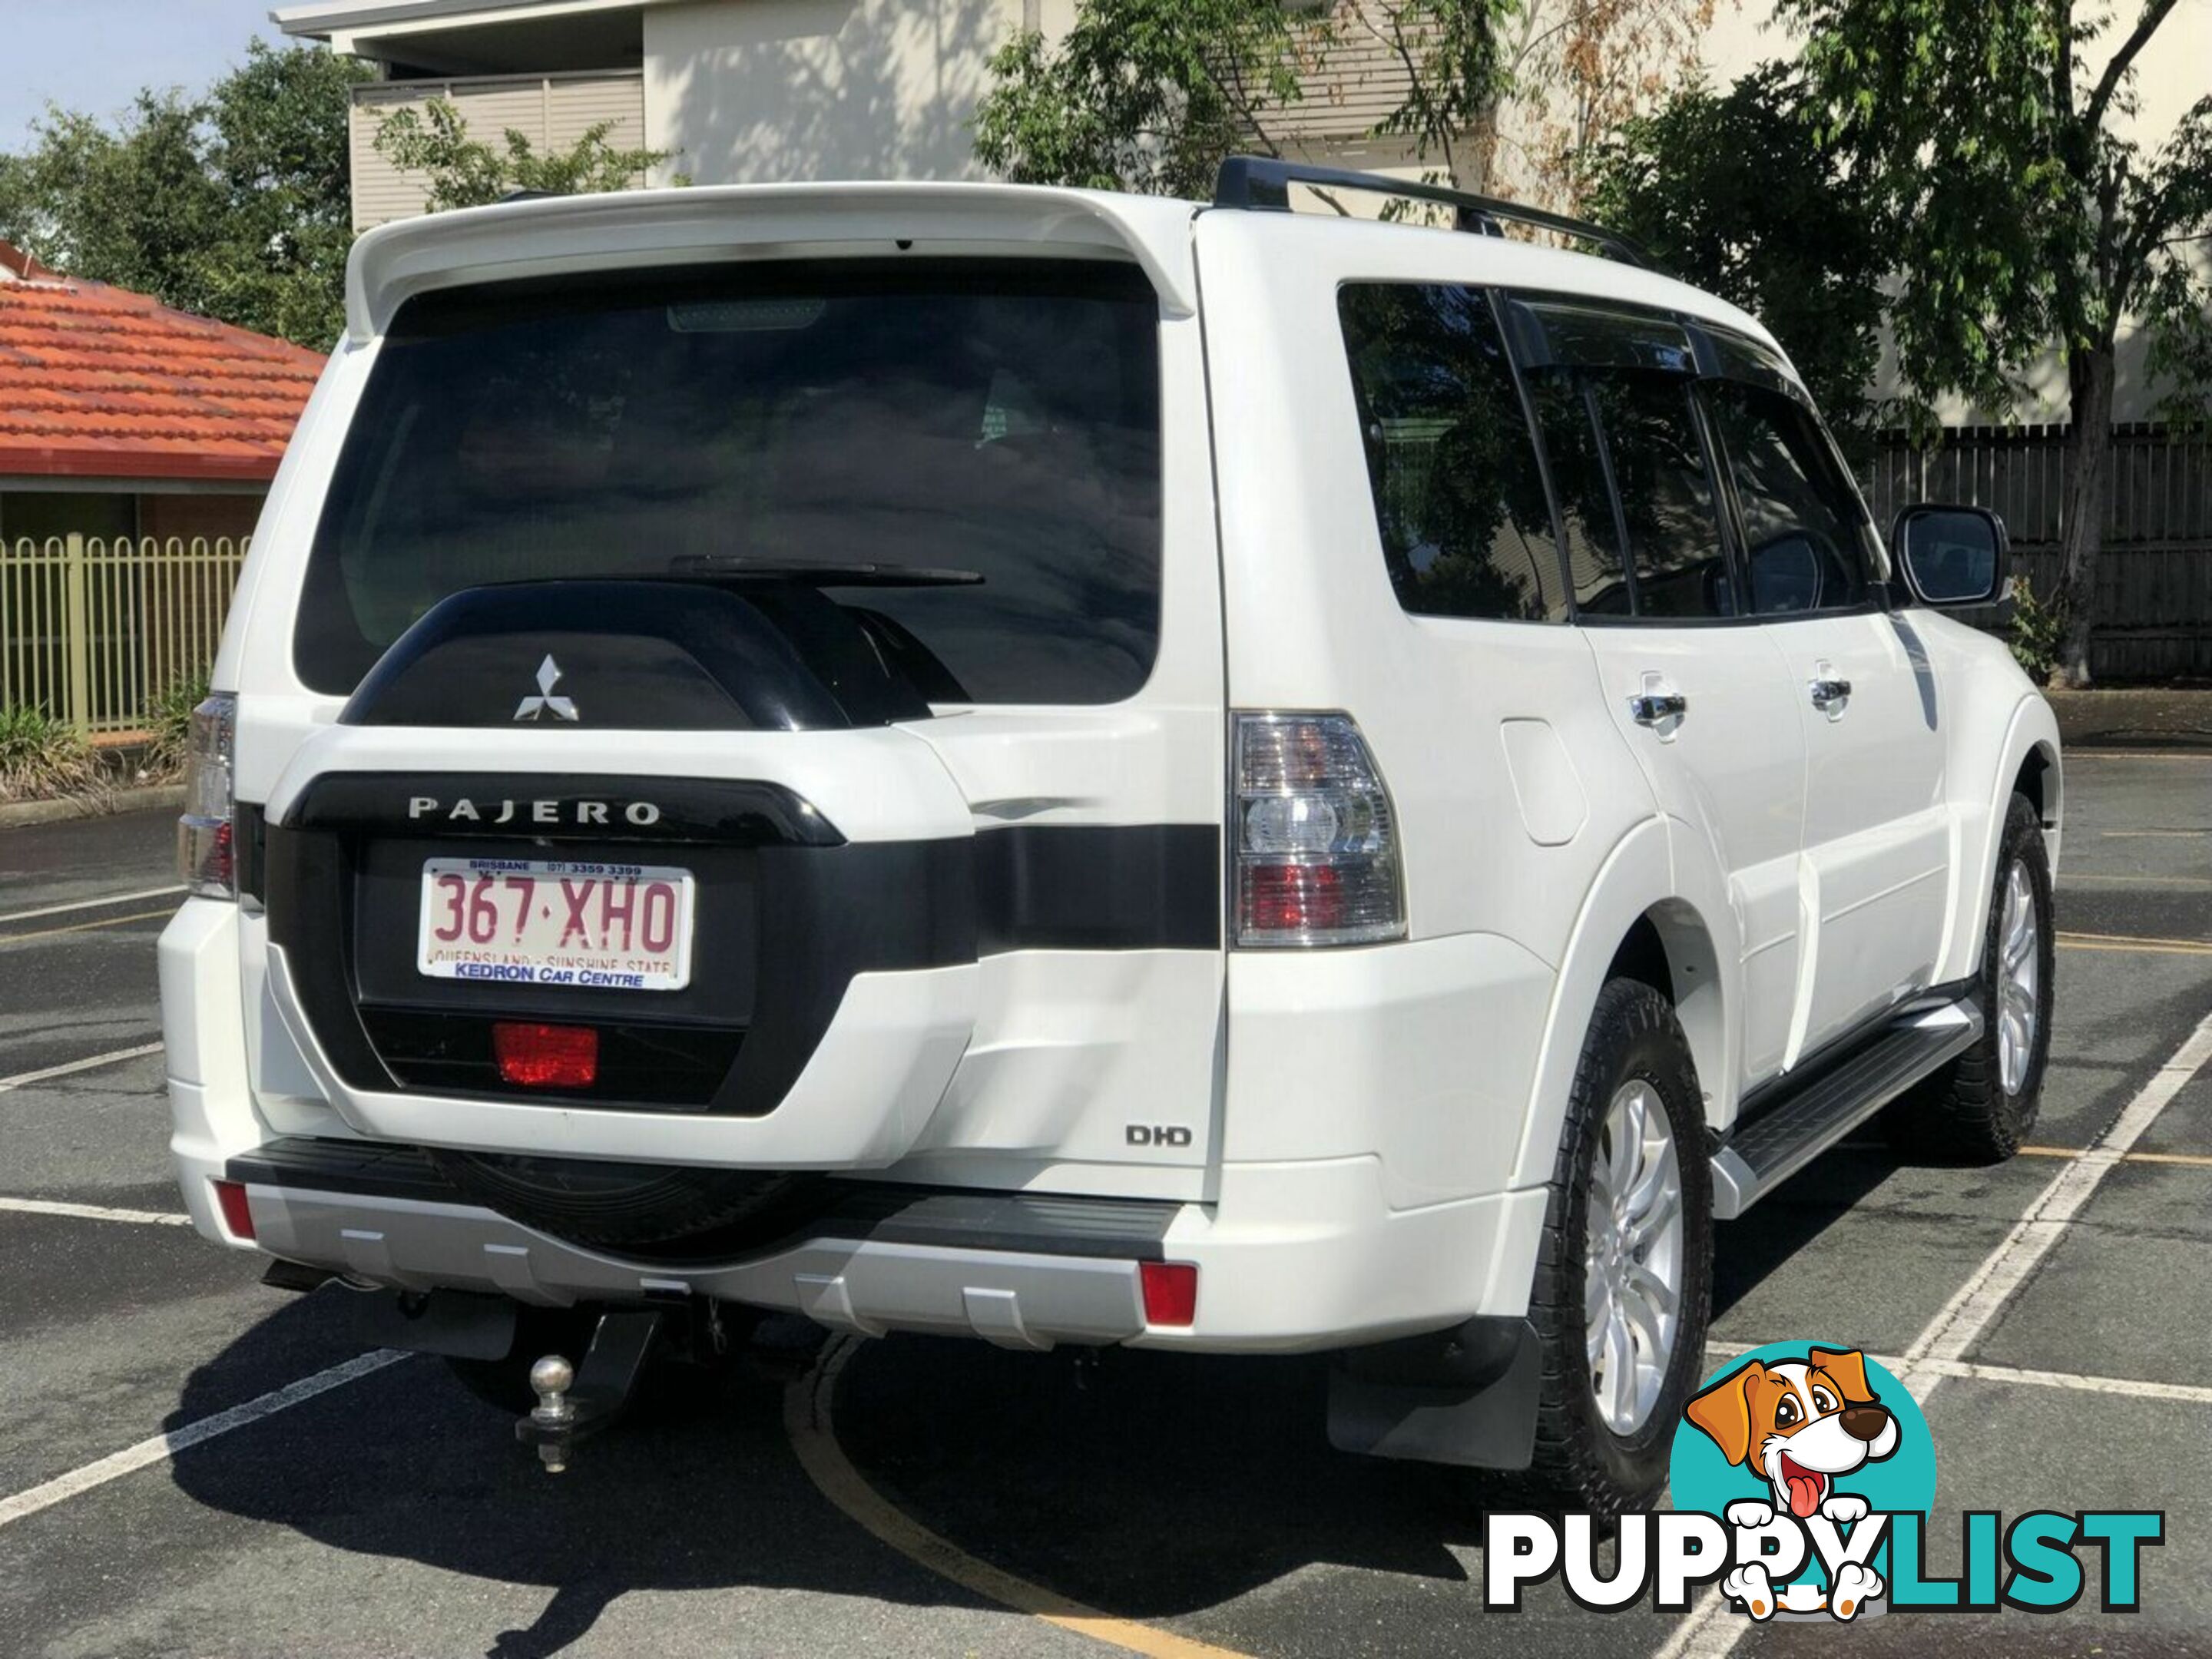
x=1826, y=692
x=1649, y=707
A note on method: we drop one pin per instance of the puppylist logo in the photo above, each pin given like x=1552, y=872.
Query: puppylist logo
x=1802, y=1478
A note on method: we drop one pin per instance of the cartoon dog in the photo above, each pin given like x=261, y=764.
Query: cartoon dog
x=1800, y=1423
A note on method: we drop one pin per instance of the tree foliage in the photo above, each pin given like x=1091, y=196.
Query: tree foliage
x=1151, y=95
x=466, y=172
x=1733, y=192
x=2025, y=217
x=232, y=204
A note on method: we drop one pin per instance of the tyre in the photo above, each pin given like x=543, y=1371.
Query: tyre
x=1624, y=1277
x=639, y=1209
x=1979, y=1108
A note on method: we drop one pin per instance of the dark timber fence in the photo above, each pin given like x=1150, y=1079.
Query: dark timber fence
x=2154, y=575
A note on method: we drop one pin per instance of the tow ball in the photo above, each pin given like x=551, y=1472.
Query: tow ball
x=576, y=1401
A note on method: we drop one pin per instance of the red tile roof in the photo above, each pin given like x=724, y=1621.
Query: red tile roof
x=99, y=382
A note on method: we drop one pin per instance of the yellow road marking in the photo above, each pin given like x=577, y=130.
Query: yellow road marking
x=2192, y=1160
x=2157, y=947
x=812, y=1431
x=84, y=927
x=2139, y=754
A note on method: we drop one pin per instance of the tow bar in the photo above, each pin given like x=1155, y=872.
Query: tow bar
x=576, y=1401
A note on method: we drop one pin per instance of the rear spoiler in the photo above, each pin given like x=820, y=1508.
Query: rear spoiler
x=391, y=264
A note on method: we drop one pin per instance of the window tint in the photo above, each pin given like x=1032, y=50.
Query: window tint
x=1804, y=535
x=1594, y=564
x=1667, y=503
x=1459, y=499
x=1000, y=417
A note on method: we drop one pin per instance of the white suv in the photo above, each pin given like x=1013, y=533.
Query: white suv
x=1084, y=769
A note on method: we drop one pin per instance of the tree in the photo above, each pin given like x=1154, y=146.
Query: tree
x=2023, y=218
x=1151, y=95
x=233, y=205
x=1733, y=192
x=464, y=172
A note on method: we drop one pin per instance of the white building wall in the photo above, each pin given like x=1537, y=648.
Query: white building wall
x=746, y=91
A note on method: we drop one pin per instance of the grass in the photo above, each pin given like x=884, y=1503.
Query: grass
x=42, y=759
x=169, y=722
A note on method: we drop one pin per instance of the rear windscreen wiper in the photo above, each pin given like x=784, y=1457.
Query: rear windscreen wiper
x=741, y=568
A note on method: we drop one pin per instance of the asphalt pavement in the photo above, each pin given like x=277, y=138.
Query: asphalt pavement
x=916, y=1497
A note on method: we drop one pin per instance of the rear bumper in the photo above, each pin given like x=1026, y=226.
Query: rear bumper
x=1021, y=1270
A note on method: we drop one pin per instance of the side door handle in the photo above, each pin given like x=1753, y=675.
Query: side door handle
x=1650, y=708
x=1827, y=693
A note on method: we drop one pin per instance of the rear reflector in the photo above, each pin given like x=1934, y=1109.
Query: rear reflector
x=1171, y=1292
x=546, y=1056
x=237, y=1214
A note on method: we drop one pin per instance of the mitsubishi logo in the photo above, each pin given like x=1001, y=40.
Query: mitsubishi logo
x=548, y=675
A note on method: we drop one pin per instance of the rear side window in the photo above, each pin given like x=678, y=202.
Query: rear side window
x=1804, y=534
x=1459, y=497
x=994, y=417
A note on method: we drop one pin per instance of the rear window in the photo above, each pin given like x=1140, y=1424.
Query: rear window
x=999, y=418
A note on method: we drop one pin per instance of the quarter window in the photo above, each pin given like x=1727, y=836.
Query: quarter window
x=1805, y=538
x=1459, y=498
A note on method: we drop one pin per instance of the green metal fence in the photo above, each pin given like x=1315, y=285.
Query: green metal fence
x=92, y=629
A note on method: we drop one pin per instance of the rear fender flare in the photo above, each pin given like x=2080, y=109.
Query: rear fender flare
x=1636, y=883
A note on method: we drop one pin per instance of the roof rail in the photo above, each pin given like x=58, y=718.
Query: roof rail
x=1262, y=184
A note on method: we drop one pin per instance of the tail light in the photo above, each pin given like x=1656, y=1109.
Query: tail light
x=207, y=834
x=1316, y=843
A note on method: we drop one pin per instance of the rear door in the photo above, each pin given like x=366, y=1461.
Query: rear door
x=1877, y=833
x=971, y=926
x=1696, y=692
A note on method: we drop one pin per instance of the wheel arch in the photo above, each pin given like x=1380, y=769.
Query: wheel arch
x=2029, y=761
x=1637, y=922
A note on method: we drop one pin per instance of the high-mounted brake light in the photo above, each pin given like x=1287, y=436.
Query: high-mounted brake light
x=1316, y=845
x=207, y=834
x=546, y=1056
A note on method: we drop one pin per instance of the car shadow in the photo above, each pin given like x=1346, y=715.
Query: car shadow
x=1149, y=1485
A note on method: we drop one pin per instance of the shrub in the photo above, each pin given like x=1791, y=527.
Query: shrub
x=169, y=718
x=2037, y=628
x=41, y=758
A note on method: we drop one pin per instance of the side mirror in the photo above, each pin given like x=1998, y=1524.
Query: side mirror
x=1952, y=555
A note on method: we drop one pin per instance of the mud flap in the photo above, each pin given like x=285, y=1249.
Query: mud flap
x=1465, y=1396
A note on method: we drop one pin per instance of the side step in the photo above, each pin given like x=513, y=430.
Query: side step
x=1781, y=1137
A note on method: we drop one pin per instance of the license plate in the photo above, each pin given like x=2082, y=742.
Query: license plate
x=543, y=921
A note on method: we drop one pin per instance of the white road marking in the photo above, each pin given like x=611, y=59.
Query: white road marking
x=1940, y=1350
x=161, y=1447
x=91, y=904
x=22, y=1079
x=2192, y=1394
x=93, y=1212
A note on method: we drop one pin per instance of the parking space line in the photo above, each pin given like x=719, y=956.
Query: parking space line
x=92, y=1213
x=1941, y=1345
x=2147, y=946
x=24, y=1079
x=1978, y=1301
x=2139, y=754
x=2131, y=938
x=91, y=903
x=813, y=1430
x=2191, y=1394
x=2192, y=1160
x=161, y=1447
x=84, y=927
